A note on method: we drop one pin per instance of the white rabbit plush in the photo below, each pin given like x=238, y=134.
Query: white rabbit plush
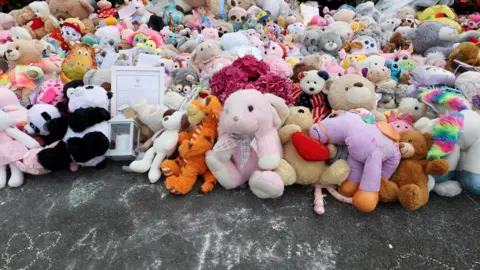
x=164, y=144
x=14, y=145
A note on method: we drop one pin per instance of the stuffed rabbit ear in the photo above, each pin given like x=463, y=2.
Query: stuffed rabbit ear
x=280, y=109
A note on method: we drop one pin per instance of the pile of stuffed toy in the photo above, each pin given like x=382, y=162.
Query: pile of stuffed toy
x=373, y=103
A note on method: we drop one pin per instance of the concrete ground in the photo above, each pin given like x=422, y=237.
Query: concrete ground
x=109, y=219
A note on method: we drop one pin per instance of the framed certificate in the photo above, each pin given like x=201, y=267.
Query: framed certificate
x=129, y=83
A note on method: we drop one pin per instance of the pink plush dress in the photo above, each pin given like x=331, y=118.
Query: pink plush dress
x=10, y=149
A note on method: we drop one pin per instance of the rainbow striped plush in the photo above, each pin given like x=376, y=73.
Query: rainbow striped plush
x=446, y=133
x=450, y=100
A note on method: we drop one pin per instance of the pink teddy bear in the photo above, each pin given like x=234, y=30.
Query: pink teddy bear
x=248, y=146
x=273, y=54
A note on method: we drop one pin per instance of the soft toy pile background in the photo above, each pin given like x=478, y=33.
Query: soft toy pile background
x=376, y=102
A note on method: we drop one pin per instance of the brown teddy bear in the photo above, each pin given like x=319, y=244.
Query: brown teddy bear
x=36, y=18
x=293, y=168
x=409, y=183
x=467, y=52
x=396, y=42
x=29, y=53
x=64, y=9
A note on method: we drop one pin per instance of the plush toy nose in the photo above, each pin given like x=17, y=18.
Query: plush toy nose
x=235, y=119
x=402, y=145
x=312, y=89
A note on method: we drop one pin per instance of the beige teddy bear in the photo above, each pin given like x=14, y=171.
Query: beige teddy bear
x=380, y=76
x=293, y=168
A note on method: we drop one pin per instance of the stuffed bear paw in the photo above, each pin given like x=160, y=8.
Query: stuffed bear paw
x=266, y=185
x=287, y=173
x=269, y=162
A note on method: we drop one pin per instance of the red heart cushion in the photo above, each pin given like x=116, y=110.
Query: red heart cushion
x=308, y=148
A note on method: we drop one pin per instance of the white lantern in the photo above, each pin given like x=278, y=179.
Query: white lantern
x=124, y=138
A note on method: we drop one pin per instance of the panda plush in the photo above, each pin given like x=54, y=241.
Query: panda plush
x=45, y=121
x=86, y=139
x=63, y=105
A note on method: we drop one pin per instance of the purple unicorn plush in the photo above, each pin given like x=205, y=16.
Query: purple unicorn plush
x=371, y=154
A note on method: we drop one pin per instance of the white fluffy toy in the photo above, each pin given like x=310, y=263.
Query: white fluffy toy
x=14, y=144
x=164, y=144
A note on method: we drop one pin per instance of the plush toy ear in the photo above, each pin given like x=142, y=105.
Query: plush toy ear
x=301, y=75
x=86, y=5
x=168, y=112
x=323, y=74
x=184, y=123
x=107, y=86
x=29, y=106
x=428, y=139
x=109, y=95
x=328, y=84
x=365, y=72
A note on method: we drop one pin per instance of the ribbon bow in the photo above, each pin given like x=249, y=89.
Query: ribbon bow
x=244, y=142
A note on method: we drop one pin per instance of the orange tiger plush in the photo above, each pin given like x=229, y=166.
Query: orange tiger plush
x=182, y=172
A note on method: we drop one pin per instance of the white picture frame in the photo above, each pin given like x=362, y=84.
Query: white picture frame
x=129, y=83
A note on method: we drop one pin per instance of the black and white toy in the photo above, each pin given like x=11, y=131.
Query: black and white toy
x=45, y=121
x=86, y=139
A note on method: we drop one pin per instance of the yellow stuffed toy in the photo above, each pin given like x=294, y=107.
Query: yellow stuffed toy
x=442, y=14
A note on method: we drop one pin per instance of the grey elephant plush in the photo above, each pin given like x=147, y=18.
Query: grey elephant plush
x=432, y=37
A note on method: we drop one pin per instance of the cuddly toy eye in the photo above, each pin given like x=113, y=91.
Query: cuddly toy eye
x=410, y=141
x=416, y=108
x=79, y=52
x=315, y=82
x=17, y=48
x=86, y=54
x=346, y=89
x=396, y=59
x=250, y=108
x=233, y=17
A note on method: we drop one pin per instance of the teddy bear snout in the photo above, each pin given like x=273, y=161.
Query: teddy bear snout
x=312, y=89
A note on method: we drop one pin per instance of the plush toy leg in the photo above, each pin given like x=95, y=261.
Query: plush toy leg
x=183, y=183
x=366, y=198
x=155, y=173
x=55, y=158
x=350, y=186
x=266, y=184
x=92, y=145
x=388, y=191
x=170, y=167
x=3, y=176
x=469, y=177
x=209, y=182
x=412, y=197
x=318, y=202
x=16, y=179
x=226, y=172
x=142, y=166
